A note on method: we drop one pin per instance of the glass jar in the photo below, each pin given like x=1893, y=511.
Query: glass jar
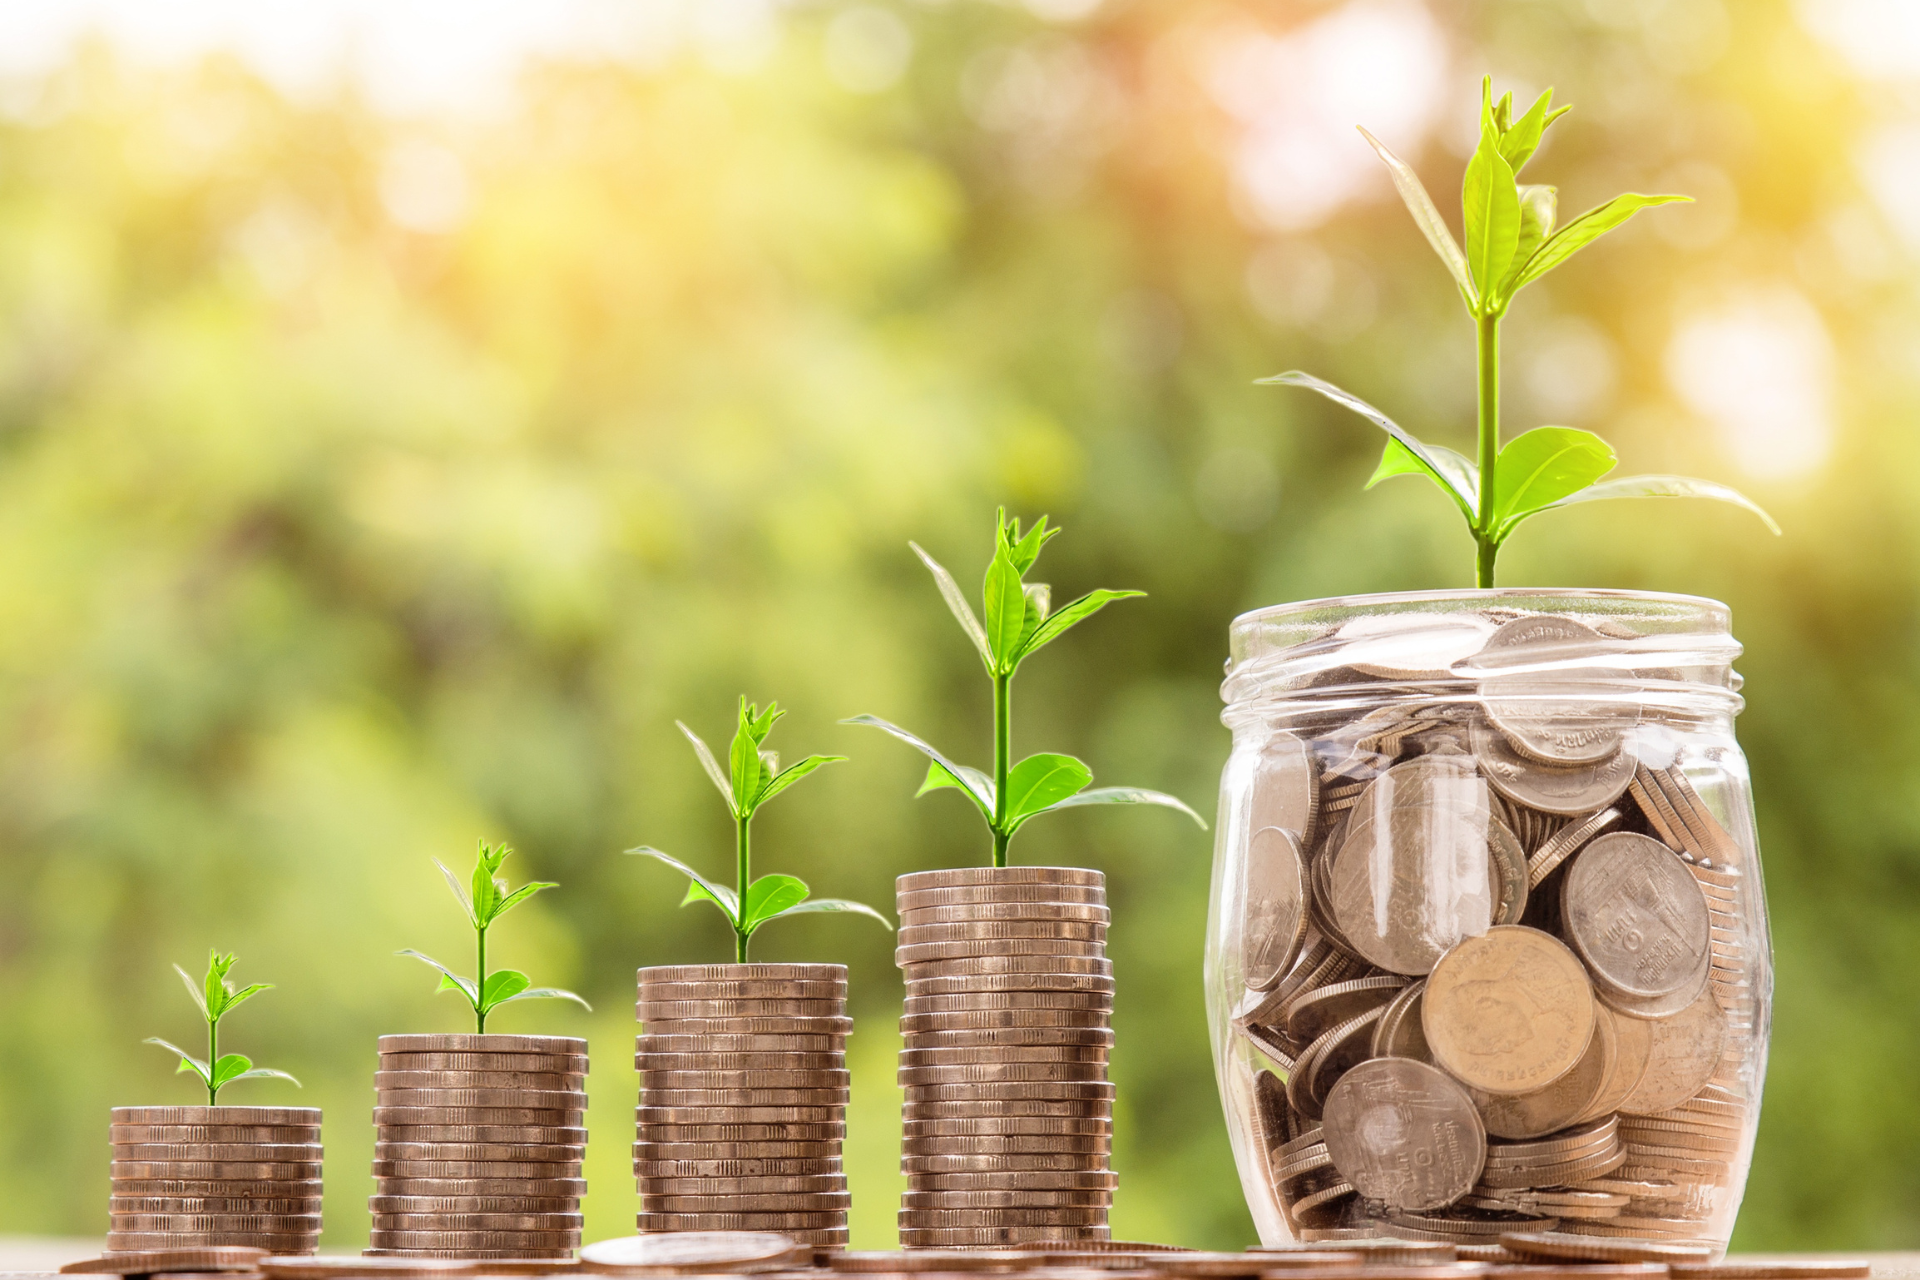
x=1487, y=948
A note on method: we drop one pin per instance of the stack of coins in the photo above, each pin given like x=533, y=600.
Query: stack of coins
x=1009, y=1115
x=478, y=1144
x=198, y=1177
x=743, y=1099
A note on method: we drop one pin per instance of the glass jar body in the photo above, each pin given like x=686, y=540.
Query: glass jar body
x=1488, y=947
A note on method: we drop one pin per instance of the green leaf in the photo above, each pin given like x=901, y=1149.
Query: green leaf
x=1453, y=473
x=1538, y=206
x=1130, y=795
x=824, y=906
x=702, y=889
x=1005, y=610
x=1522, y=139
x=792, y=774
x=1427, y=218
x=449, y=980
x=245, y=993
x=971, y=782
x=459, y=891
x=547, y=993
x=194, y=990
x=1663, y=487
x=1039, y=601
x=1540, y=467
x=1023, y=551
x=967, y=780
x=957, y=603
x=502, y=984
x=188, y=1062
x=1584, y=230
x=520, y=895
x=1069, y=616
x=216, y=984
x=1396, y=460
x=265, y=1073
x=1041, y=781
x=768, y=896
x=485, y=893
x=749, y=770
x=1492, y=204
x=230, y=1067
x=712, y=767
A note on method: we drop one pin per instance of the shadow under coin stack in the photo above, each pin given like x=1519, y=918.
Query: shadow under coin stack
x=204, y=1177
x=1009, y=1115
x=478, y=1146
x=743, y=1099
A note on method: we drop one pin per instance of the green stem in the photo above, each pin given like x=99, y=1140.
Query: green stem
x=213, y=1061
x=1002, y=736
x=479, y=1008
x=1487, y=353
x=742, y=877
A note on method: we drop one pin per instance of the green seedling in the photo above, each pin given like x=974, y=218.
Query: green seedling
x=485, y=902
x=1018, y=625
x=1511, y=242
x=216, y=998
x=752, y=778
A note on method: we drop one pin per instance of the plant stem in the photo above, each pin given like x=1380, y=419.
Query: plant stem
x=213, y=1061
x=1002, y=736
x=480, y=984
x=1487, y=358
x=742, y=877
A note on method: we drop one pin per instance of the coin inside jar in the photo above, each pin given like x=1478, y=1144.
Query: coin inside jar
x=1683, y=1053
x=1403, y=1133
x=1508, y=1012
x=1276, y=912
x=1637, y=917
x=1546, y=711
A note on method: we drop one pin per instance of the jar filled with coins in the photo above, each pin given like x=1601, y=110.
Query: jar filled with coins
x=1488, y=944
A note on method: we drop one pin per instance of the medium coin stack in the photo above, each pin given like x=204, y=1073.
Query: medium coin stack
x=204, y=1177
x=1009, y=1114
x=478, y=1145
x=1582, y=1012
x=743, y=1099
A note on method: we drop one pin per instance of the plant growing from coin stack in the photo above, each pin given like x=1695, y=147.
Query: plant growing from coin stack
x=1511, y=241
x=485, y=899
x=216, y=998
x=1019, y=623
x=752, y=778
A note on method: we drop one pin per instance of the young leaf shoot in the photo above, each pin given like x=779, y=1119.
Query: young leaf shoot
x=485, y=899
x=215, y=998
x=752, y=778
x=1018, y=624
x=1511, y=241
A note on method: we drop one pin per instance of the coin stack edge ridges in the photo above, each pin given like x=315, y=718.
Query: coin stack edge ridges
x=208, y=1177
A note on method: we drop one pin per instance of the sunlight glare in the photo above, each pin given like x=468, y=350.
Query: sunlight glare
x=1761, y=369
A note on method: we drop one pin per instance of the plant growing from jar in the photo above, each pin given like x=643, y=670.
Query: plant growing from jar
x=1019, y=622
x=485, y=898
x=1511, y=241
x=216, y=998
x=753, y=777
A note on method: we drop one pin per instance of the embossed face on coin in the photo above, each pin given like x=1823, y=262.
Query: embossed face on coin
x=1510, y=1011
x=1682, y=1056
x=1401, y=1132
x=1276, y=916
x=1637, y=916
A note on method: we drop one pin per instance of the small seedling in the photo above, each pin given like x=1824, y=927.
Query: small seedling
x=216, y=998
x=754, y=776
x=1018, y=625
x=1511, y=242
x=486, y=901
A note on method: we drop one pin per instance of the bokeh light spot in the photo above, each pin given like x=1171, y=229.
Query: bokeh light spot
x=867, y=49
x=1760, y=368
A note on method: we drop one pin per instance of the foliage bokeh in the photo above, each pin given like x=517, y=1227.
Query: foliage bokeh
x=337, y=532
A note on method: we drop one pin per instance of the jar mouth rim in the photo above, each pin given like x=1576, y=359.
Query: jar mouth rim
x=1473, y=596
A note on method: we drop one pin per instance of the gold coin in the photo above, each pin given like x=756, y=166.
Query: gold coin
x=546, y=1188
x=1564, y=1101
x=650, y=1010
x=738, y=1221
x=538, y=1081
x=1016, y=1180
x=568, y=1046
x=944, y=1052
x=1508, y=1012
x=563, y=1135
x=681, y=1098
x=214, y=1170
x=472, y=1204
x=517, y=1117
x=530, y=1099
x=651, y=1043
x=1064, y=1162
x=490, y=1169
x=1009, y=1073
x=1053, y=1215
x=565, y=1064
x=300, y=1117
x=993, y=1092
x=1002, y=931
x=505, y=1240
x=754, y=1025
x=961, y=912
x=212, y=1133
x=971, y=985
x=997, y=878
x=1011, y=962
x=487, y=1151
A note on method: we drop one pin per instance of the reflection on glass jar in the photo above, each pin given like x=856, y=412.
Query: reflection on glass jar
x=1488, y=945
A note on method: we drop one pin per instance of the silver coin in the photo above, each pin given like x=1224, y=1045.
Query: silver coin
x=692, y=1252
x=998, y=878
x=478, y=1221
x=1572, y=790
x=545, y=1188
x=515, y=1117
x=540, y=1081
x=1637, y=917
x=751, y=1026
x=555, y=1063
x=1404, y=1133
x=964, y=912
x=545, y=1153
x=704, y=1044
x=1539, y=689
x=567, y=1046
x=1002, y=930
x=301, y=1117
x=570, y=1100
x=472, y=1204
x=1275, y=920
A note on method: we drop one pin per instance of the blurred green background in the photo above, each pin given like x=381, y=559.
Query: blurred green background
x=377, y=478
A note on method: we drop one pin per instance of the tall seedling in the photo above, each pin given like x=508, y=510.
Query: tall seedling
x=1018, y=625
x=1511, y=242
x=485, y=899
x=216, y=998
x=752, y=778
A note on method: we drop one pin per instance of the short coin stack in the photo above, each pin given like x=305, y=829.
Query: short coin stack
x=1009, y=1115
x=202, y=1177
x=743, y=1099
x=478, y=1144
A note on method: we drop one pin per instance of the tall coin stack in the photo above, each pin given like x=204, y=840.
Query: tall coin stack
x=478, y=1144
x=743, y=1099
x=1009, y=1115
x=201, y=1177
